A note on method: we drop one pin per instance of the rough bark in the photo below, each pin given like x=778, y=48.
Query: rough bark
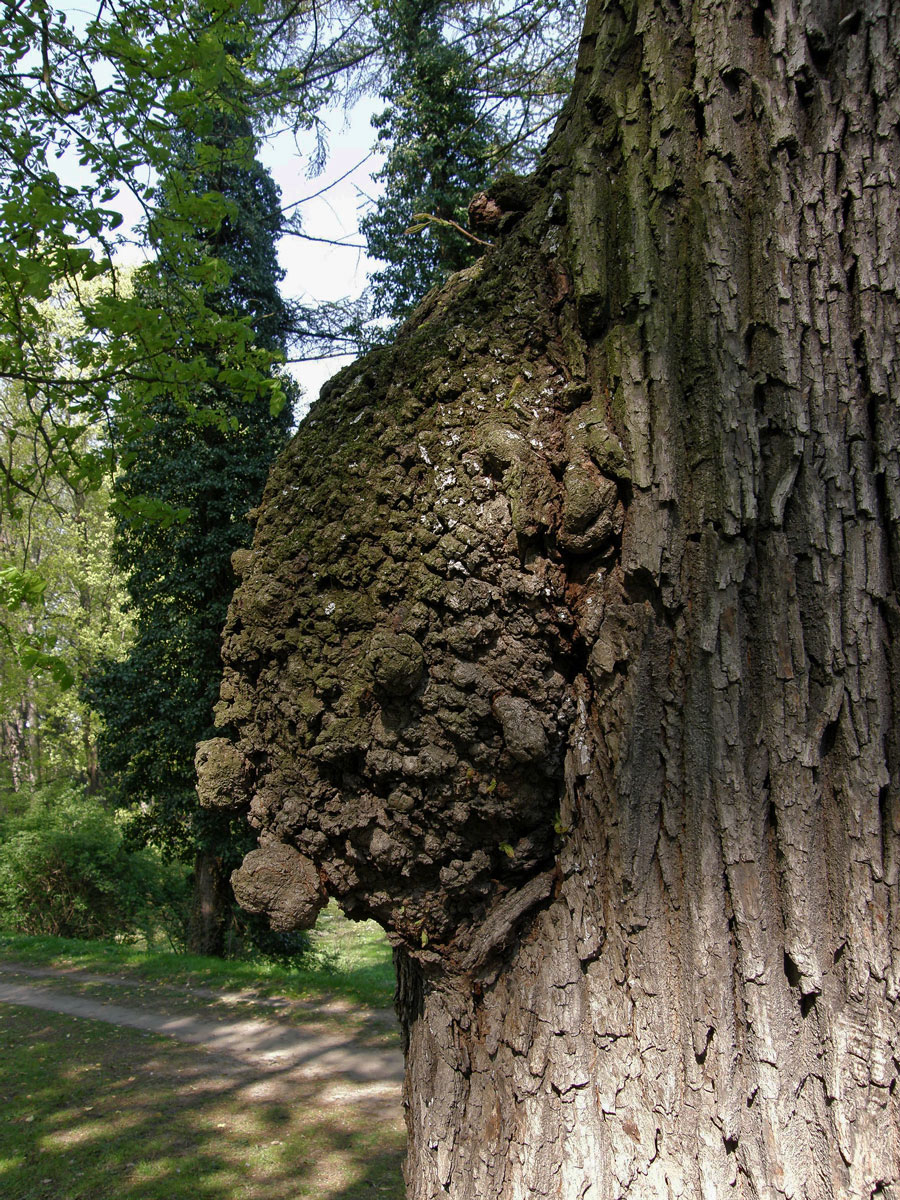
x=89, y=750
x=567, y=646
x=20, y=741
x=11, y=742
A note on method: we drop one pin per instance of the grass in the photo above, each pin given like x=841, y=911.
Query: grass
x=91, y=1112
x=349, y=960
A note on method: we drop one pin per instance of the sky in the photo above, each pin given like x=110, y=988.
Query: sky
x=316, y=271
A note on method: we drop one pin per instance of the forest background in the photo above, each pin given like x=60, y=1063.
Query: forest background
x=141, y=405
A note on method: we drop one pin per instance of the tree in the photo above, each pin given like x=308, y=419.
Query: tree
x=62, y=598
x=440, y=149
x=205, y=475
x=93, y=104
x=578, y=668
x=461, y=109
x=103, y=90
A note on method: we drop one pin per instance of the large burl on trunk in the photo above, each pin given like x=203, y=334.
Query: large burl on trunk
x=567, y=644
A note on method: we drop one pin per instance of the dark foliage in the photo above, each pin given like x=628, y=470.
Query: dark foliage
x=441, y=147
x=471, y=90
x=197, y=478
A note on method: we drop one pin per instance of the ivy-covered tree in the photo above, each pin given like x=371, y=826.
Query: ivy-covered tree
x=470, y=89
x=440, y=148
x=191, y=478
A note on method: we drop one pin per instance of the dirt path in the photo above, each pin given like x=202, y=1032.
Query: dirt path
x=305, y=1050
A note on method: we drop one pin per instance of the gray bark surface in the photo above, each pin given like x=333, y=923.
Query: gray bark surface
x=567, y=646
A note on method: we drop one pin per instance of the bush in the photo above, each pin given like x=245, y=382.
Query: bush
x=65, y=872
x=251, y=938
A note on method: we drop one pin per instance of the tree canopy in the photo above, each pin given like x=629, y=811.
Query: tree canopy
x=441, y=148
x=93, y=110
x=93, y=106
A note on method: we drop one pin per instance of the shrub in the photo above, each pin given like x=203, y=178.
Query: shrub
x=251, y=938
x=64, y=871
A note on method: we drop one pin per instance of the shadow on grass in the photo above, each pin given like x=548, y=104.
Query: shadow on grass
x=359, y=1044
x=93, y=1111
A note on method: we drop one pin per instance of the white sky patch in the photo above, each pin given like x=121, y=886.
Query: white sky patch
x=317, y=271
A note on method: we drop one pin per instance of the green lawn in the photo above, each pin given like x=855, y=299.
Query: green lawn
x=95, y=1112
x=350, y=959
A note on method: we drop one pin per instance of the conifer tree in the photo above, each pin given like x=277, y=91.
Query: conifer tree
x=471, y=91
x=441, y=149
x=184, y=499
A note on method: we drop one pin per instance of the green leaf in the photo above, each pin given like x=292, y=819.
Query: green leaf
x=18, y=587
x=34, y=659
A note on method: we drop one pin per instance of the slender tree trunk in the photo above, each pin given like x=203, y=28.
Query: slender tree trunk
x=209, y=906
x=12, y=752
x=23, y=739
x=87, y=605
x=590, y=693
x=89, y=749
x=32, y=725
x=29, y=724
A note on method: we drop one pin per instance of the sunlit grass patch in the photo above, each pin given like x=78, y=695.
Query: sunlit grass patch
x=348, y=959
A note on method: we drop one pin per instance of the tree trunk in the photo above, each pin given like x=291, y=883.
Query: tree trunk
x=87, y=604
x=30, y=725
x=577, y=666
x=89, y=749
x=11, y=741
x=209, y=906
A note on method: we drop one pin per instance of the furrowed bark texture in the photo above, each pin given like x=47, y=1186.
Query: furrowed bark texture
x=567, y=647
